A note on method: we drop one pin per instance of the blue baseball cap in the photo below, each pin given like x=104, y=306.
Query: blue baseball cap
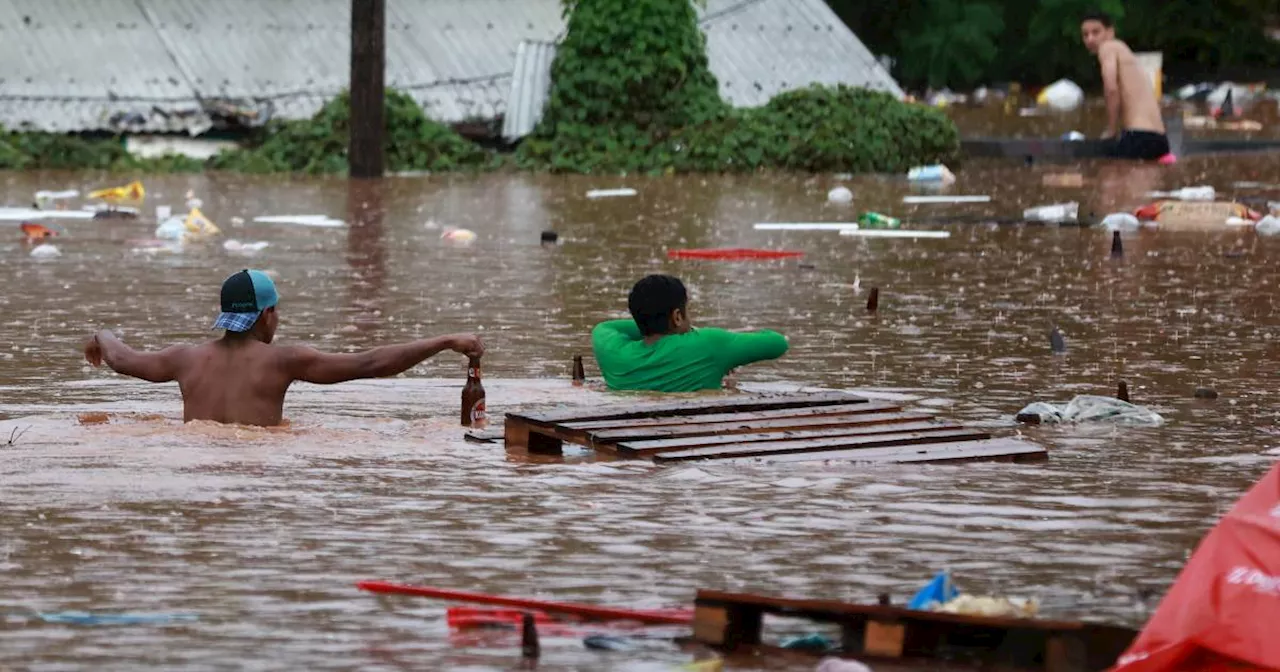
x=244, y=296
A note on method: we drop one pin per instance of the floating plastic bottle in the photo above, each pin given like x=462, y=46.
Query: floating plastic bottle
x=1201, y=193
x=875, y=220
x=1057, y=212
x=934, y=173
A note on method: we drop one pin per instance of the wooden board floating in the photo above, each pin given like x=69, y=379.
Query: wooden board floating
x=731, y=621
x=762, y=428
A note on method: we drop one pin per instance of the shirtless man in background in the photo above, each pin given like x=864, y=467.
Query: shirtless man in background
x=242, y=378
x=1130, y=96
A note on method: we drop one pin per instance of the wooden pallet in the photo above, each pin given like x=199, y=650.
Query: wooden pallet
x=730, y=621
x=774, y=428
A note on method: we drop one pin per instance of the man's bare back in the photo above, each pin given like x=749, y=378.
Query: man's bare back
x=1133, y=113
x=242, y=378
x=1140, y=111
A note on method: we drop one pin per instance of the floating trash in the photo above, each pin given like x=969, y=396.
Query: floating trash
x=86, y=618
x=945, y=199
x=1268, y=226
x=933, y=173
x=1063, y=95
x=238, y=247
x=1201, y=193
x=45, y=196
x=1093, y=408
x=36, y=232
x=894, y=233
x=1121, y=221
x=322, y=221
x=840, y=195
x=29, y=214
x=132, y=192
x=458, y=236
x=805, y=226
x=1053, y=214
x=610, y=193
x=840, y=665
x=45, y=251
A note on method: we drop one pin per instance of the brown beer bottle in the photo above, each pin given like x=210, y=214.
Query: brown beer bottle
x=473, y=397
x=579, y=374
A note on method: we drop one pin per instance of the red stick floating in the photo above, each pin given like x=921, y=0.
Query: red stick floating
x=652, y=617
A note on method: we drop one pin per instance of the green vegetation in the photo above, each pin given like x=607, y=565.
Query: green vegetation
x=319, y=145
x=36, y=151
x=631, y=92
x=963, y=43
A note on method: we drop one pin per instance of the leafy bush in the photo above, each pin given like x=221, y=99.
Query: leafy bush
x=319, y=144
x=38, y=150
x=627, y=75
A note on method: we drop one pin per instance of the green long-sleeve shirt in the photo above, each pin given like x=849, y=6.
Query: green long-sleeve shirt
x=697, y=360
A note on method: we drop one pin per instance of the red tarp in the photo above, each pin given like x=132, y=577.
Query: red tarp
x=1223, y=611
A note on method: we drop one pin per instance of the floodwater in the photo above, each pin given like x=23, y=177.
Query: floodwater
x=262, y=534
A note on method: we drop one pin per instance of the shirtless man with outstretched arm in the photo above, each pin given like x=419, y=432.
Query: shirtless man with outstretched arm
x=1131, y=99
x=242, y=378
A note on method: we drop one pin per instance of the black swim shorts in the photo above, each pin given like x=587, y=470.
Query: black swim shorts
x=1141, y=145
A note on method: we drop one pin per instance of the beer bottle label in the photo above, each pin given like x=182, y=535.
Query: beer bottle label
x=473, y=372
x=477, y=411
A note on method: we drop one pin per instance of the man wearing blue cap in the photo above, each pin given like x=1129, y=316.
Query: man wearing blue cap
x=242, y=378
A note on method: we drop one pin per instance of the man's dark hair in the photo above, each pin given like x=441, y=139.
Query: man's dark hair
x=1099, y=16
x=652, y=300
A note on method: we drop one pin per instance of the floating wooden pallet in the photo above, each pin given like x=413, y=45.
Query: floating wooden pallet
x=775, y=428
x=730, y=620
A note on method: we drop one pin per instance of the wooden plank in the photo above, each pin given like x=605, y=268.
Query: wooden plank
x=806, y=412
x=721, y=404
x=832, y=610
x=515, y=435
x=908, y=423
x=884, y=638
x=770, y=448
x=747, y=426
x=710, y=624
x=1011, y=450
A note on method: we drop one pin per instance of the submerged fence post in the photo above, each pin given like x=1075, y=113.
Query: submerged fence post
x=368, y=67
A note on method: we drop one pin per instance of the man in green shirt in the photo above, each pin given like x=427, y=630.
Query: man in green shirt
x=660, y=351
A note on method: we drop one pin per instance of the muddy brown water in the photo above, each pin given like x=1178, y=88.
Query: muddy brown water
x=262, y=534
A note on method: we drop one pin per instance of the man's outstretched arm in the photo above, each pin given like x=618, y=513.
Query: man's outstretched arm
x=310, y=365
x=157, y=367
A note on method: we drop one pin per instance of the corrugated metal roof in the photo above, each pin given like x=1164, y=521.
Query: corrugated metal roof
x=156, y=65
x=760, y=48
x=756, y=49
x=71, y=65
x=530, y=86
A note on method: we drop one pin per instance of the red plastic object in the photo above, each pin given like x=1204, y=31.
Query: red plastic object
x=733, y=254
x=1222, y=611
x=652, y=617
x=472, y=617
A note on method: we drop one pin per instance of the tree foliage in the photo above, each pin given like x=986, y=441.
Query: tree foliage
x=959, y=46
x=945, y=42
